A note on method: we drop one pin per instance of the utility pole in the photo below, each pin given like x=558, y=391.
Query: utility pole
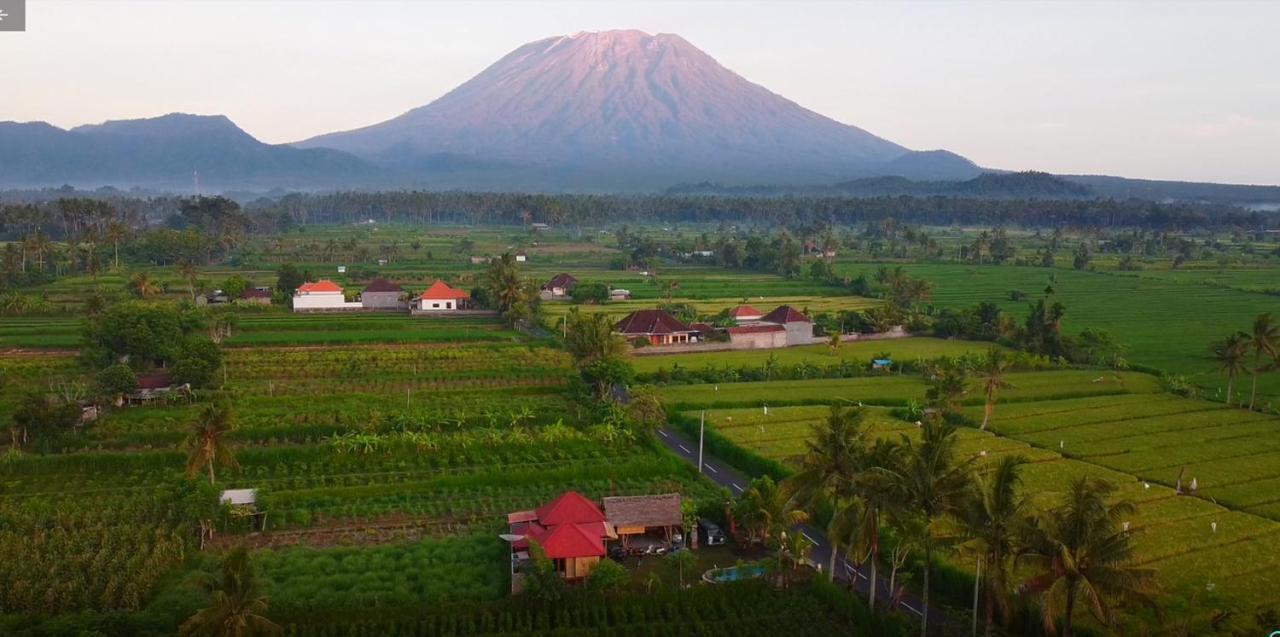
x=702, y=429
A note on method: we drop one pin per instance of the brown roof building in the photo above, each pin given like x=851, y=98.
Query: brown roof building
x=656, y=516
x=659, y=327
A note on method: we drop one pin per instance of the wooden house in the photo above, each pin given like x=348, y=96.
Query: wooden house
x=642, y=521
x=570, y=529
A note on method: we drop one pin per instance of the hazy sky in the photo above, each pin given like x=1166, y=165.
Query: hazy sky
x=1160, y=90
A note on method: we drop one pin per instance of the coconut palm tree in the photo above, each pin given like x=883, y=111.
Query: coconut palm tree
x=116, y=232
x=206, y=443
x=1230, y=355
x=765, y=510
x=993, y=518
x=994, y=367
x=1264, y=341
x=930, y=484
x=1081, y=551
x=236, y=607
x=143, y=285
x=828, y=473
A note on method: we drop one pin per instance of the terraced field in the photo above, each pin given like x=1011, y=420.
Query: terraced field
x=901, y=350
x=1225, y=537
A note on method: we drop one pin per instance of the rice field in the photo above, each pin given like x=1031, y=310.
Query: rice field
x=1223, y=537
x=901, y=350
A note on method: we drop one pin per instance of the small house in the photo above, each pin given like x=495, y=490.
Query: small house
x=442, y=298
x=521, y=257
x=619, y=294
x=256, y=296
x=321, y=295
x=559, y=286
x=655, y=326
x=480, y=259
x=645, y=522
x=798, y=326
x=382, y=294
x=570, y=529
x=757, y=336
x=745, y=314
x=539, y=226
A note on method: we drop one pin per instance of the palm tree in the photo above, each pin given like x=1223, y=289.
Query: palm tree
x=993, y=518
x=590, y=338
x=827, y=473
x=143, y=286
x=929, y=484
x=236, y=603
x=206, y=443
x=947, y=381
x=115, y=233
x=1265, y=340
x=1080, y=549
x=994, y=367
x=187, y=270
x=1230, y=354
x=765, y=510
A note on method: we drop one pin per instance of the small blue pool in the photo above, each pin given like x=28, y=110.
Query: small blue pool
x=732, y=574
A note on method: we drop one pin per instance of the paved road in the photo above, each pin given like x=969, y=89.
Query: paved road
x=736, y=482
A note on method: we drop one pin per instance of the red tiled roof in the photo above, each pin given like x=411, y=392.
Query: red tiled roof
x=570, y=508
x=786, y=314
x=323, y=285
x=650, y=322
x=441, y=290
x=743, y=311
x=573, y=540
x=701, y=327
x=756, y=329
x=382, y=285
x=253, y=293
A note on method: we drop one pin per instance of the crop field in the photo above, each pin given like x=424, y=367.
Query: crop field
x=898, y=389
x=808, y=304
x=1164, y=322
x=901, y=350
x=1225, y=533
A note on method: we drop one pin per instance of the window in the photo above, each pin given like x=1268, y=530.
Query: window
x=436, y=305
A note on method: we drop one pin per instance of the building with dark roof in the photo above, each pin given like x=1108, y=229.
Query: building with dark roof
x=382, y=294
x=655, y=326
x=559, y=286
x=799, y=327
x=634, y=516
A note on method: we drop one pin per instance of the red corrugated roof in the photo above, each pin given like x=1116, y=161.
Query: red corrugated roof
x=650, y=322
x=570, y=508
x=323, y=285
x=744, y=311
x=441, y=291
x=786, y=314
x=573, y=540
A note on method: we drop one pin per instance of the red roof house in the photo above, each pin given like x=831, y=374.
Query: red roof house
x=440, y=297
x=745, y=313
x=570, y=508
x=784, y=314
x=323, y=286
x=657, y=326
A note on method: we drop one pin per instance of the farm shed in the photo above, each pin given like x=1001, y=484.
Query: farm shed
x=657, y=326
x=653, y=517
x=758, y=336
x=382, y=294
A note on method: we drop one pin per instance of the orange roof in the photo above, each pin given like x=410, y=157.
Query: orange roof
x=441, y=290
x=744, y=311
x=570, y=508
x=323, y=285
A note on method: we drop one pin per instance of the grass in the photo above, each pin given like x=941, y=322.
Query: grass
x=908, y=349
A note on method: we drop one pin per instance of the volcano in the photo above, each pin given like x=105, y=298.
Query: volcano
x=624, y=110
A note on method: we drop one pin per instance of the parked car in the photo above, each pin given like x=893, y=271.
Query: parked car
x=710, y=533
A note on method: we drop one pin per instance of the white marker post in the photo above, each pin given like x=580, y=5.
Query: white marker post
x=702, y=429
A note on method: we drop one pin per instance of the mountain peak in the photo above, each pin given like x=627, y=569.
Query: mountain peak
x=167, y=126
x=648, y=107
